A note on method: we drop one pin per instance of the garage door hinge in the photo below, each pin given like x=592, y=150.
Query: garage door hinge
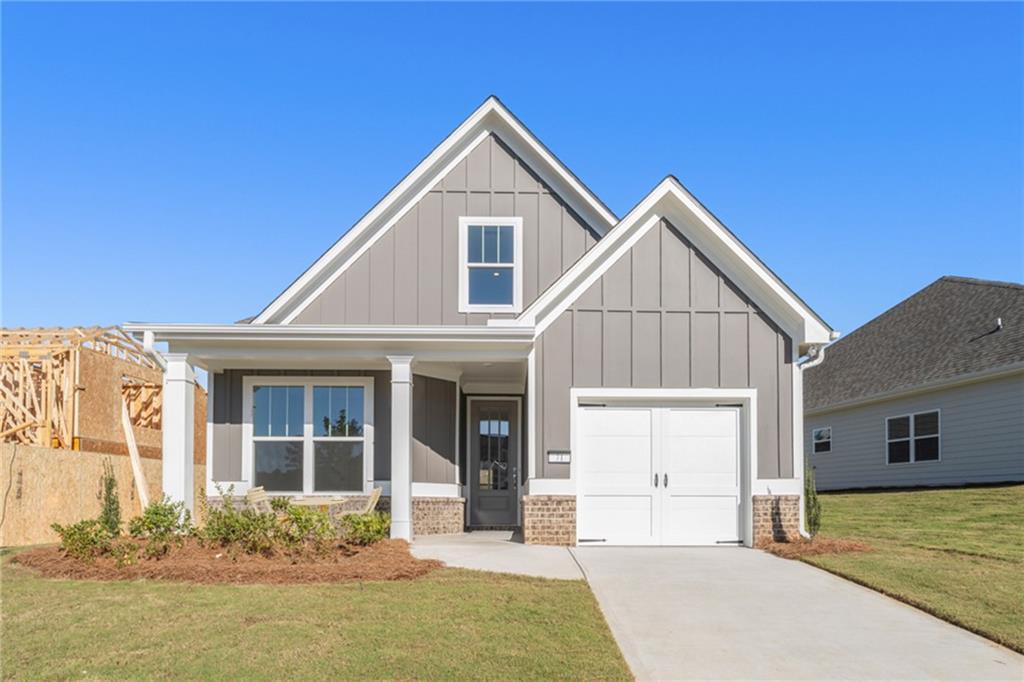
x=728, y=542
x=591, y=540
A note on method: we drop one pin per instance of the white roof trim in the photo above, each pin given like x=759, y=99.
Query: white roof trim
x=490, y=117
x=317, y=332
x=672, y=201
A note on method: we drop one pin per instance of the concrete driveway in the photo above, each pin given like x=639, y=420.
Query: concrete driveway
x=734, y=613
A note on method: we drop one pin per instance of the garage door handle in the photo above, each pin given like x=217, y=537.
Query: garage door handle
x=664, y=481
x=655, y=480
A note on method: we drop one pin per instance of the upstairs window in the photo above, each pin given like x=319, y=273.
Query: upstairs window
x=821, y=440
x=912, y=438
x=490, y=255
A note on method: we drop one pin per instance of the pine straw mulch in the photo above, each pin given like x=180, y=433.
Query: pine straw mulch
x=819, y=545
x=191, y=562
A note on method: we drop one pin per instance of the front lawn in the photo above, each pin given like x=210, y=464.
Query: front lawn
x=957, y=553
x=451, y=624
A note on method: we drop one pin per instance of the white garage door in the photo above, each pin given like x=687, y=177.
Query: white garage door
x=659, y=476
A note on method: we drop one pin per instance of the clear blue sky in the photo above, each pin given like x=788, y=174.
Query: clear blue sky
x=184, y=162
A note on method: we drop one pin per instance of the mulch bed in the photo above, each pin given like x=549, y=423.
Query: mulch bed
x=817, y=546
x=386, y=560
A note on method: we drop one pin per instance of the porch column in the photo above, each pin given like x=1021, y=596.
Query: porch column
x=179, y=400
x=401, y=446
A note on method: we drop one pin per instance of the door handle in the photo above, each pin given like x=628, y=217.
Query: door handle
x=655, y=480
x=665, y=480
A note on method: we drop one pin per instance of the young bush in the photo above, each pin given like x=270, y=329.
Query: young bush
x=366, y=529
x=303, y=527
x=254, y=532
x=280, y=504
x=84, y=540
x=162, y=523
x=812, y=505
x=110, y=514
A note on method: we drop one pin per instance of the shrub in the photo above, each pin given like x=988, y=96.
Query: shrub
x=280, y=504
x=366, y=529
x=85, y=539
x=161, y=523
x=812, y=505
x=125, y=553
x=255, y=532
x=305, y=526
x=110, y=514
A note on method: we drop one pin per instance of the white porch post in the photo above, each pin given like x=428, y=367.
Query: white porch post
x=179, y=429
x=401, y=446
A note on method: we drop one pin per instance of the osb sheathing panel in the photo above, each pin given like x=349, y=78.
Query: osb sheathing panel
x=100, y=408
x=45, y=486
x=100, y=400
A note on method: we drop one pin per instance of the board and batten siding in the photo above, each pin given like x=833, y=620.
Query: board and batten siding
x=981, y=432
x=411, y=274
x=433, y=450
x=664, y=317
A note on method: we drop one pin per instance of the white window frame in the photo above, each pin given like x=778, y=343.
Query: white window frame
x=517, y=264
x=823, y=452
x=308, y=462
x=913, y=437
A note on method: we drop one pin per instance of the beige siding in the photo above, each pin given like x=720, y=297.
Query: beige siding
x=665, y=317
x=981, y=434
x=411, y=274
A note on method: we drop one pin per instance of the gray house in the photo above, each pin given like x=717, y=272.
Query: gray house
x=929, y=393
x=493, y=347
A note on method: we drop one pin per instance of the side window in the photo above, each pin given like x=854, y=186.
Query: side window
x=912, y=438
x=821, y=440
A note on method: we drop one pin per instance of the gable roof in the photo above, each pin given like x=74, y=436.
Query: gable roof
x=945, y=331
x=671, y=200
x=491, y=117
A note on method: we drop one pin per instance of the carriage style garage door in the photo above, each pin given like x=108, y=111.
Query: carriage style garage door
x=659, y=475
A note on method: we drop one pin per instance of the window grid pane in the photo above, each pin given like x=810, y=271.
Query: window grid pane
x=926, y=424
x=278, y=411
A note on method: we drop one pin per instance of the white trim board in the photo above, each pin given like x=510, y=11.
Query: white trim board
x=491, y=117
x=670, y=200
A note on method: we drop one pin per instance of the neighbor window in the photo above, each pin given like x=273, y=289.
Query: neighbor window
x=912, y=438
x=821, y=440
x=491, y=262
x=310, y=436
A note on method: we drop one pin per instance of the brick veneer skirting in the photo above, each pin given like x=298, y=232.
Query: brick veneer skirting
x=549, y=519
x=776, y=518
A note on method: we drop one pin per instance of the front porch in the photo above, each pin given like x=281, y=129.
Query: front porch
x=437, y=424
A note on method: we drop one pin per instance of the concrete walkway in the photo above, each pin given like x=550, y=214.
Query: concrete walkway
x=497, y=551
x=734, y=613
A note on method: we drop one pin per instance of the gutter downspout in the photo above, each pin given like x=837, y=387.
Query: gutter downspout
x=815, y=356
x=148, y=339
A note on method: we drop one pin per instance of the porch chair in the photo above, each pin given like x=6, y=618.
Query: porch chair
x=258, y=499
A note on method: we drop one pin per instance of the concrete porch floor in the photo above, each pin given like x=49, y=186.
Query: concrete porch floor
x=498, y=551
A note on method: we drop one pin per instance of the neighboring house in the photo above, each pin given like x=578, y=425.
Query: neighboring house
x=929, y=393
x=495, y=348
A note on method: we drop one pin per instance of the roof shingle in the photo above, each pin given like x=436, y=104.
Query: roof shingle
x=946, y=330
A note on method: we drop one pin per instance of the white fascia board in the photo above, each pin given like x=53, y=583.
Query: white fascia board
x=670, y=200
x=244, y=332
x=490, y=117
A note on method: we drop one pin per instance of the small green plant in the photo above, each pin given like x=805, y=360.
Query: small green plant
x=125, y=553
x=110, y=513
x=280, y=504
x=84, y=540
x=162, y=519
x=812, y=505
x=253, y=531
x=303, y=527
x=366, y=529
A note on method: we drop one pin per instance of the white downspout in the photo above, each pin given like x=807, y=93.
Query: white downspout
x=148, y=341
x=815, y=356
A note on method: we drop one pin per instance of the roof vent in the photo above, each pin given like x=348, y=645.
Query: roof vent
x=999, y=323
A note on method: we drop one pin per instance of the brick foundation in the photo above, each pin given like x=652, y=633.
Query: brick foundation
x=549, y=519
x=776, y=518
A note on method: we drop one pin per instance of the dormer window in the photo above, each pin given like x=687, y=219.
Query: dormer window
x=491, y=258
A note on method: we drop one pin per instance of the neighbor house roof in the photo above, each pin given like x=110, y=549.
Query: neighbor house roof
x=946, y=331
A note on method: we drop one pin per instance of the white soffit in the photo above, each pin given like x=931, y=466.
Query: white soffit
x=491, y=117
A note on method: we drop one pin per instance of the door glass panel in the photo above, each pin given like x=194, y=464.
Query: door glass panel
x=494, y=458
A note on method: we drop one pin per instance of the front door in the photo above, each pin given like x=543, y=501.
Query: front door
x=493, y=462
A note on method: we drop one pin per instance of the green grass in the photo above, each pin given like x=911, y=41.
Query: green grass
x=958, y=554
x=452, y=624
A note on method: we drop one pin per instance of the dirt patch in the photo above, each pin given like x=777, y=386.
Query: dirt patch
x=815, y=547
x=386, y=560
